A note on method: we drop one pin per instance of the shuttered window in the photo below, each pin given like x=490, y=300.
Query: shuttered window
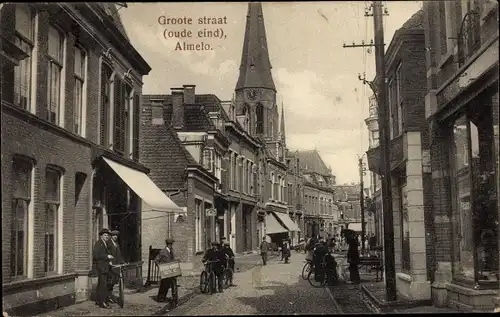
x=105, y=105
x=137, y=123
x=119, y=127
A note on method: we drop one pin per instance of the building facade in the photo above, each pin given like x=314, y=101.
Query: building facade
x=70, y=154
x=321, y=214
x=295, y=195
x=375, y=205
x=461, y=107
x=406, y=89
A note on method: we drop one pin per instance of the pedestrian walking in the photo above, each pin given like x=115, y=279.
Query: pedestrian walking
x=264, y=248
x=353, y=258
x=217, y=257
x=166, y=255
x=285, y=250
x=117, y=259
x=101, y=262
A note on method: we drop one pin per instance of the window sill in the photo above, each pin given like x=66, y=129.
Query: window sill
x=33, y=283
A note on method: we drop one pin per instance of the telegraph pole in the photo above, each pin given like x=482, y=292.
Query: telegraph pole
x=362, y=201
x=379, y=89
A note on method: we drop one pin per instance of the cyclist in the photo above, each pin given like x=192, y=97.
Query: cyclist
x=217, y=257
x=319, y=252
x=228, y=252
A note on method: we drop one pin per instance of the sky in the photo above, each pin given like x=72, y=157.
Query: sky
x=316, y=78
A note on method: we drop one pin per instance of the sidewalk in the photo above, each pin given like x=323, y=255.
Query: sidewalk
x=375, y=294
x=144, y=304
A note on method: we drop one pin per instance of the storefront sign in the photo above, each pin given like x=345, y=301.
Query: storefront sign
x=211, y=212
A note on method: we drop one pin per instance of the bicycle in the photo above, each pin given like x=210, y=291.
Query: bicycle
x=328, y=276
x=207, y=278
x=121, y=283
x=228, y=274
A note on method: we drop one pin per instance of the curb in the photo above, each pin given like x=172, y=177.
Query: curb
x=383, y=306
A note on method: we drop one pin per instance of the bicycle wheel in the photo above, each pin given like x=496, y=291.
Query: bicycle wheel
x=204, y=282
x=305, y=270
x=121, y=297
x=211, y=283
x=311, y=277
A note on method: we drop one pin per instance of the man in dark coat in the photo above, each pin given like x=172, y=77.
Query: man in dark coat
x=118, y=259
x=228, y=252
x=217, y=257
x=101, y=257
x=353, y=258
x=319, y=252
x=264, y=248
x=166, y=255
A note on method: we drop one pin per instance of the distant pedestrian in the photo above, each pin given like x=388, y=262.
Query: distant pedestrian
x=353, y=258
x=264, y=248
x=285, y=250
x=101, y=260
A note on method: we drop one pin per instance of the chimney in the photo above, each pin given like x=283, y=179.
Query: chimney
x=177, y=108
x=189, y=95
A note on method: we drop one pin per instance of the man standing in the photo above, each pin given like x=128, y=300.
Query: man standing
x=353, y=258
x=114, y=247
x=101, y=257
x=264, y=248
x=217, y=257
x=166, y=255
x=230, y=258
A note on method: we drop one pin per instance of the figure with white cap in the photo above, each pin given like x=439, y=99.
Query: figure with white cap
x=166, y=255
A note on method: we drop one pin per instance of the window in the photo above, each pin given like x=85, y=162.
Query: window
x=278, y=188
x=79, y=183
x=259, y=124
x=198, y=225
x=121, y=115
x=79, y=99
x=235, y=171
x=245, y=176
x=207, y=159
x=231, y=171
x=390, y=100
x=105, y=110
x=475, y=212
x=128, y=123
x=25, y=29
x=21, y=200
x=136, y=127
x=157, y=115
x=52, y=210
x=399, y=101
x=271, y=183
x=54, y=83
x=290, y=194
x=240, y=171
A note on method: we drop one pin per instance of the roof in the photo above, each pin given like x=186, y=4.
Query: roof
x=311, y=161
x=255, y=68
x=347, y=192
x=113, y=13
x=416, y=21
x=165, y=156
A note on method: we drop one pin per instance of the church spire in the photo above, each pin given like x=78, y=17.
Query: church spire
x=282, y=124
x=255, y=68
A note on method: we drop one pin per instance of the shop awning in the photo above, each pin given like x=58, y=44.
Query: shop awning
x=153, y=198
x=273, y=226
x=354, y=226
x=292, y=226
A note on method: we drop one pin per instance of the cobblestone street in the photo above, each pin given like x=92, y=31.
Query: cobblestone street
x=273, y=289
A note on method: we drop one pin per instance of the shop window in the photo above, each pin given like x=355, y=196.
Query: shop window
x=475, y=214
x=21, y=200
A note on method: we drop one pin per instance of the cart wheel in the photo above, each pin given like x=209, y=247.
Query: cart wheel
x=121, y=298
x=204, y=282
x=305, y=270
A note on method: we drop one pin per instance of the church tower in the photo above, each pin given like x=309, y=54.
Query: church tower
x=255, y=92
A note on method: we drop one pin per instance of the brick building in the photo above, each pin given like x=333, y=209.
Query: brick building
x=321, y=214
x=347, y=200
x=295, y=195
x=461, y=107
x=406, y=89
x=70, y=127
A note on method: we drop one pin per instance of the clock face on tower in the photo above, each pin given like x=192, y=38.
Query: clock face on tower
x=252, y=94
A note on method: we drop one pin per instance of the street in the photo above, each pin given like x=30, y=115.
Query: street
x=276, y=288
